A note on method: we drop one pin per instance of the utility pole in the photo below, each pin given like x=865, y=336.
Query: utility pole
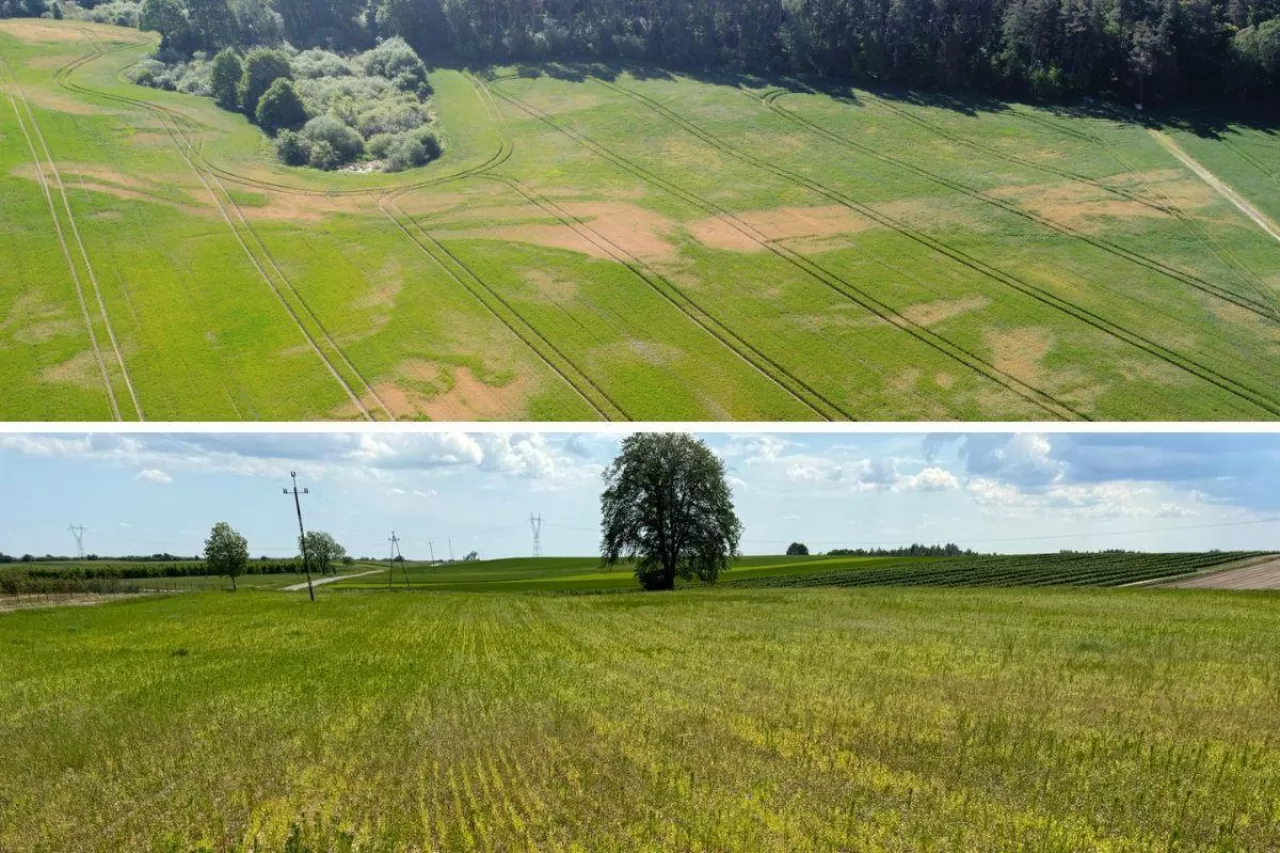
x=302, y=533
x=535, y=521
x=391, y=560
x=450, y=549
x=78, y=532
x=431, y=544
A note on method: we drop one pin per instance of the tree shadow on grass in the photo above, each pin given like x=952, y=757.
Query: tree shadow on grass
x=1210, y=122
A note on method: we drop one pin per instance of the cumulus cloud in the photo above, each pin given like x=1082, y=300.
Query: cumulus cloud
x=153, y=475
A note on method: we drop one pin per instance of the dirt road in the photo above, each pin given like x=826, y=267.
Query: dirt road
x=298, y=587
x=1263, y=221
x=1262, y=575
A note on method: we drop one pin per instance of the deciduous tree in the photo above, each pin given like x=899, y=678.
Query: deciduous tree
x=667, y=506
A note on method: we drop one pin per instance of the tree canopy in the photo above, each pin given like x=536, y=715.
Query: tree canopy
x=322, y=551
x=667, y=506
x=797, y=549
x=226, y=552
x=1167, y=50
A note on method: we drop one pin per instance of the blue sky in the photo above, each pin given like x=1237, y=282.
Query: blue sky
x=1026, y=492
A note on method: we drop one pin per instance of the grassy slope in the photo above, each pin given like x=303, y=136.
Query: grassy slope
x=774, y=720
x=651, y=248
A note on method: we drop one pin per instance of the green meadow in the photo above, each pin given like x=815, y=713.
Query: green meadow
x=707, y=720
x=616, y=244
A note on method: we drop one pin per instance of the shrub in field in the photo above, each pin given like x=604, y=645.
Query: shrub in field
x=667, y=505
x=226, y=552
x=293, y=149
x=797, y=549
x=280, y=108
x=323, y=157
x=399, y=63
x=343, y=144
x=262, y=67
x=224, y=79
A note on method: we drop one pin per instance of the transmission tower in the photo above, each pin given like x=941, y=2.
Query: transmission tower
x=535, y=521
x=78, y=532
x=302, y=533
x=431, y=544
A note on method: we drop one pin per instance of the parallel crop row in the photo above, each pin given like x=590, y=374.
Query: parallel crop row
x=1097, y=569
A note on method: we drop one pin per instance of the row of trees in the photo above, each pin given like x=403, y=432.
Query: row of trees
x=226, y=552
x=1167, y=49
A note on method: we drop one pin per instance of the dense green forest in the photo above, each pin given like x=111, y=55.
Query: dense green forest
x=1159, y=51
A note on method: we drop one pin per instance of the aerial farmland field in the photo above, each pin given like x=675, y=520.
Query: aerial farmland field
x=601, y=243
x=722, y=719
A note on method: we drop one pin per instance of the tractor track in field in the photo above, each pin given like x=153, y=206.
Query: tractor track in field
x=1042, y=400
x=796, y=387
x=84, y=253
x=1253, y=161
x=1139, y=341
x=383, y=196
x=548, y=352
x=66, y=253
x=1265, y=311
x=178, y=138
x=868, y=302
x=1168, y=207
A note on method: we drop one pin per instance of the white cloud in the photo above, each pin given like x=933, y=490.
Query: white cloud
x=929, y=480
x=153, y=475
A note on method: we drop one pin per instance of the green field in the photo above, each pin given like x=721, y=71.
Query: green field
x=615, y=244
x=711, y=720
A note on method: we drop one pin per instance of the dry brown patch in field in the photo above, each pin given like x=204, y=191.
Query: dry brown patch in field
x=1073, y=204
x=54, y=101
x=32, y=320
x=944, y=380
x=108, y=182
x=1161, y=186
x=785, y=223
x=81, y=370
x=298, y=207
x=553, y=287
x=422, y=388
x=931, y=313
x=37, y=32
x=630, y=228
x=426, y=203
x=1019, y=352
x=387, y=283
x=655, y=353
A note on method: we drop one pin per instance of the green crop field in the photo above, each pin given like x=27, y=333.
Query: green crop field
x=700, y=720
x=603, y=243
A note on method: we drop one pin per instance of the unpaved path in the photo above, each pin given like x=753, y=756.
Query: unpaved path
x=298, y=587
x=1263, y=221
x=1262, y=575
x=33, y=602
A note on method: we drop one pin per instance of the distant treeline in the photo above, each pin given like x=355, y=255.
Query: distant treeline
x=1158, y=50
x=134, y=571
x=127, y=558
x=948, y=550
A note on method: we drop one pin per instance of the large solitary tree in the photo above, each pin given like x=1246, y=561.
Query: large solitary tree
x=667, y=506
x=226, y=552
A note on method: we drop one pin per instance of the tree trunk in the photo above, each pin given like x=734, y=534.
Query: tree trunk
x=233, y=583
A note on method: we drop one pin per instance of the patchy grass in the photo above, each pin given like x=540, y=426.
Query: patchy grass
x=754, y=720
x=615, y=245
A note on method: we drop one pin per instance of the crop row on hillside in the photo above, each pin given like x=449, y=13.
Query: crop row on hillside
x=1067, y=569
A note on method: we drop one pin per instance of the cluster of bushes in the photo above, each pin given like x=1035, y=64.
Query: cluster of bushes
x=324, y=110
x=121, y=13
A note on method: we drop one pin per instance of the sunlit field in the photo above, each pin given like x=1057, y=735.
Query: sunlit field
x=602, y=243
x=945, y=720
